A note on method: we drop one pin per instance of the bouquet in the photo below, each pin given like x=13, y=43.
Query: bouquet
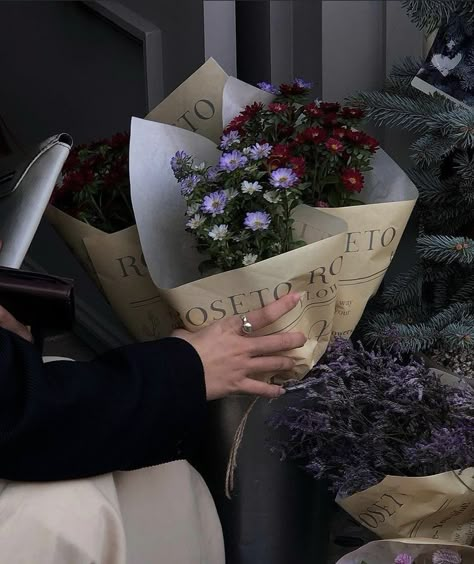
x=405, y=551
x=273, y=159
x=91, y=209
x=394, y=442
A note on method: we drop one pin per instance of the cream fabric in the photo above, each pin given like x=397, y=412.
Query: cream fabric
x=158, y=515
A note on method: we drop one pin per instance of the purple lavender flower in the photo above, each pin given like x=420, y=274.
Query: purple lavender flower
x=283, y=178
x=445, y=556
x=403, y=558
x=267, y=87
x=180, y=160
x=232, y=161
x=215, y=203
x=303, y=84
x=229, y=139
x=189, y=183
x=258, y=151
x=257, y=221
x=212, y=173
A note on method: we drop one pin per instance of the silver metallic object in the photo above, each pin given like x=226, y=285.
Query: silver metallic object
x=247, y=327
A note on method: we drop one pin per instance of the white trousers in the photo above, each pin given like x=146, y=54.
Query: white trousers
x=158, y=515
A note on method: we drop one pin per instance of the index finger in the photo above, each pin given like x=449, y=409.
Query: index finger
x=267, y=315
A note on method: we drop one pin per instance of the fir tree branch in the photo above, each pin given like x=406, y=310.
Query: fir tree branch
x=441, y=248
x=456, y=125
x=430, y=149
x=466, y=292
x=403, y=73
x=430, y=14
x=407, y=288
x=458, y=335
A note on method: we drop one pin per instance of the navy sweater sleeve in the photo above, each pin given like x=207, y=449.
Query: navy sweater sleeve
x=136, y=406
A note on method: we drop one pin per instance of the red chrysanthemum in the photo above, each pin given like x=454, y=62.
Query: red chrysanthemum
x=236, y=124
x=334, y=145
x=339, y=132
x=330, y=107
x=298, y=165
x=252, y=110
x=330, y=119
x=314, y=134
x=369, y=143
x=355, y=136
x=313, y=110
x=352, y=179
x=355, y=113
x=277, y=108
x=279, y=156
x=291, y=89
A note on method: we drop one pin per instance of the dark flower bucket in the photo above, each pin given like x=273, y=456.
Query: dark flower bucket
x=277, y=514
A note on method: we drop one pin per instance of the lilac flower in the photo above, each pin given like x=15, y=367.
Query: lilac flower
x=258, y=151
x=195, y=221
x=212, y=173
x=232, y=161
x=445, y=556
x=189, y=183
x=229, y=139
x=283, y=178
x=179, y=161
x=219, y=232
x=249, y=259
x=214, y=203
x=250, y=187
x=257, y=221
x=267, y=87
x=403, y=559
x=303, y=84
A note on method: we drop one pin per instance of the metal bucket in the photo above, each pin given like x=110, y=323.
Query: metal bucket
x=278, y=514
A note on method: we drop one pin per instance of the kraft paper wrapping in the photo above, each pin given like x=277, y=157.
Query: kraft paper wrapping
x=115, y=261
x=439, y=507
x=385, y=551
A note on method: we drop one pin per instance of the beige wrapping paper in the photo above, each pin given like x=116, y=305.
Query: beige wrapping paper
x=384, y=552
x=439, y=507
x=116, y=263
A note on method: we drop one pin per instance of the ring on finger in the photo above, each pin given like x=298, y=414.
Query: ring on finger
x=247, y=327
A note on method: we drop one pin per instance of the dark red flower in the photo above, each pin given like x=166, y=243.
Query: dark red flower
x=369, y=143
x=355, y=113
x=236, y=124
x=355, y=136
x=330, y=119
x=313, y=110
x=352, y=179
x=279, y=156
x=252, y=110
x=120, y=140
x=298, y=165
x=314, y=134
x=277, y=108
x=339, y=132
x=330, y=107
x=292, y=89
x=334, y=145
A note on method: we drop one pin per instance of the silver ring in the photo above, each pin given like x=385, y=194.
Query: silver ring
x=247, y=327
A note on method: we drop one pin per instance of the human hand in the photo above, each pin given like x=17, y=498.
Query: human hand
x=8, y=322
x=230, y=359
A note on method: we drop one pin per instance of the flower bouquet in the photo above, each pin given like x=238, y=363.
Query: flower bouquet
x=406, y=551
x=393, y=440
x=91, y=209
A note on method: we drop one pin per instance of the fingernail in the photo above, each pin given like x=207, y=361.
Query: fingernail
x=282, y=391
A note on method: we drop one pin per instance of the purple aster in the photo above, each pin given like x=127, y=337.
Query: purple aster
x=189, y=183
x=212, y=173
x=445, y=556
x=267, y=87
x=180, y=160
x=232, y=161
x=229, y=139
x=283, y=178
x=214, y=203
x=260, y=151
x=403, y=559
x=303, y=84
x=257, y=221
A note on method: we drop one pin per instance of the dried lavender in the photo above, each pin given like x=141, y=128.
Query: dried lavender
x=368, y=414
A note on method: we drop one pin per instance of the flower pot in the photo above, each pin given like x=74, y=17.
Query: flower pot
x=277, y=513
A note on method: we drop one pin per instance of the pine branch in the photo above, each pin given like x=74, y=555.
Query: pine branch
x=413, y=114
x=441, y=248
x=464, y=165
x=430, y=149
x=403, y=73
x=431, y=14
x=458, y=335
x=457, y=125
x=465, y=293
x=407, y=288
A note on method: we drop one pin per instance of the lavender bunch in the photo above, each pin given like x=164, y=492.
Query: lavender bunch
x=367, y=414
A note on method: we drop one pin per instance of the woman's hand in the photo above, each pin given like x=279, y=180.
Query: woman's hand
x=230, y=359
x=8, y=322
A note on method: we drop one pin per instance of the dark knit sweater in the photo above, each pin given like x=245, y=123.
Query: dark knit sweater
x=136, y=406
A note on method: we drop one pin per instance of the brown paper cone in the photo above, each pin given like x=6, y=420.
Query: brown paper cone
x=439, y=507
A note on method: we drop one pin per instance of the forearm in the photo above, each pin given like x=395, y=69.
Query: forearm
x=133, y=407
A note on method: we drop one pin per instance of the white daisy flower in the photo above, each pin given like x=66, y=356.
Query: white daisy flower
x=218, y=232
x=196, y=221
x=250, y=187
x=194, y=208
x=231, y=193
x=273, y=197
x=249, y=259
